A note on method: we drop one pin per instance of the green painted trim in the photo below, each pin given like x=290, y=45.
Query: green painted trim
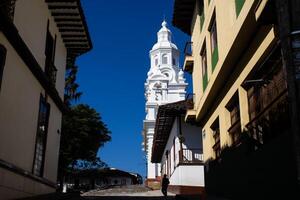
x=204, y=82
x=214, y=58
x=238, y=6
x=202, y=18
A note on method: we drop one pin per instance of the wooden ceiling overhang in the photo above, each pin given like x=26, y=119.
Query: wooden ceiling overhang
x=164, y=121
x=70, y=20
x=183, y=15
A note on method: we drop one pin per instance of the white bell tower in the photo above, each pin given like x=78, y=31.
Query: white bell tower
x=165, y=84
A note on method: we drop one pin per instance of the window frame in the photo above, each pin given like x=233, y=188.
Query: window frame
x=239, y=4
x=213, y=36
x=215, y=127
x=50, y=50
x=42, y=136
x=203, y=55
x=201, y=14
x=234, y=130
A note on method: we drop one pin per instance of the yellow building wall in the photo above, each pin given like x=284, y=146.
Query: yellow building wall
x=229, y=25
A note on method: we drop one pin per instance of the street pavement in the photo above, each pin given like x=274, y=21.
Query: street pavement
x=118, y=193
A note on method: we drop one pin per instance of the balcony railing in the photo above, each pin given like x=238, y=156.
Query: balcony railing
x=271, y=121
x=190, y=156
x=51, y=72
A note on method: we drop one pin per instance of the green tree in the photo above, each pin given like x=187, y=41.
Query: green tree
x=71, y=87
x=83, y=133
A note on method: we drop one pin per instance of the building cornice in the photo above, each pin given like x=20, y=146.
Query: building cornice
x=70, y=20
x=183, y=15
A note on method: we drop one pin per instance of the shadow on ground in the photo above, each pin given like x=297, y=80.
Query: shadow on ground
x=78, y=197
x=142, y=198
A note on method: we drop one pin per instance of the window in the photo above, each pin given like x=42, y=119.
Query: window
x=201, y=13
x=156, y=61
x=216, y=134
x=204, y=67
x=173, y=61
x=214, y=43
x=2, y=62
x=238, y=6
x=50, y=68
x=235, y=124
x=41, y=137
x=164, y=59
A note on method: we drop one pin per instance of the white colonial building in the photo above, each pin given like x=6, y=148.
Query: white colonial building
x=165, y=84
x=177, y=146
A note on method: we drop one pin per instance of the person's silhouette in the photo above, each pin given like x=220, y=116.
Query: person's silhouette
x=164, y=185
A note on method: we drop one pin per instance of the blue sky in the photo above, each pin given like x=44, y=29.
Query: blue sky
x=112, y=75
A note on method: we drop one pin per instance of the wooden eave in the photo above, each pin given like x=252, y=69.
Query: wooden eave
x=71, y=23
x=183, y=15
x=164, y=121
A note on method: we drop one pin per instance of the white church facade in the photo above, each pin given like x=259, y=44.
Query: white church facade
x=165, y=84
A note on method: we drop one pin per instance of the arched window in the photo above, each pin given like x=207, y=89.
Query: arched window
x=2, y=61
x=164, y=59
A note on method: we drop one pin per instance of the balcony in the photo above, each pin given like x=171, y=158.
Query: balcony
x=190, y=156
x=271, y=121
x=189, y=59
x=191, y=112
x=51, y=71
x=268, y=109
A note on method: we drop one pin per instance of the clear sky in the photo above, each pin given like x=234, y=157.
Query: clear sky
x=112, y=75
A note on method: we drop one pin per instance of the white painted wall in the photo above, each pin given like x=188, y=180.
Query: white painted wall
x=188, y=175
x=192, y=135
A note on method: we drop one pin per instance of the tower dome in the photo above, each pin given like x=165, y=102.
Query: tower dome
x=164, y=38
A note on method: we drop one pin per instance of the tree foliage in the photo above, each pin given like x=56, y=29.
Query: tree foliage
x=83, y=133
x=71, y=86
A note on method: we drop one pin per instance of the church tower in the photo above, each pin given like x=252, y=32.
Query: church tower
x=165, y=83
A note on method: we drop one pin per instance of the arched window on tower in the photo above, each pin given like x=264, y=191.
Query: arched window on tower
x=164, y=59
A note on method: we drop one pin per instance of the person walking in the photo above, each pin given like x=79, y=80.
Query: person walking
x=164, y=185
